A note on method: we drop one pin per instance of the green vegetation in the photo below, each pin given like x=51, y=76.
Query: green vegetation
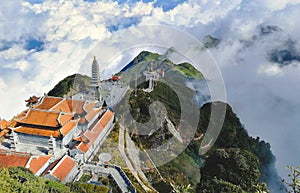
x=19, y=179
x=139, y=109
x=85, y=178
x=70, y=85
x=248, y=165
x=133, y=180
x=181, y=171
x=144, y=56
x=189, y=70
x=294, y=180
x=236, y=163
x=87, y=188
x=233, y=139
x=230, y=170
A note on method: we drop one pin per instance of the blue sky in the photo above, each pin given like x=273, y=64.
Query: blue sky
x=41, y=42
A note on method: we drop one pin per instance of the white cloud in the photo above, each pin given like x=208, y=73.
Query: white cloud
x=270, y=70
x=3, y=86
x=71, y=29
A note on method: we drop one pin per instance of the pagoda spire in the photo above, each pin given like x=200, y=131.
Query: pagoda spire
x=95, y=79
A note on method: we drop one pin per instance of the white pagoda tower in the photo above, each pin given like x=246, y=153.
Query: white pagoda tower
x=95, y=86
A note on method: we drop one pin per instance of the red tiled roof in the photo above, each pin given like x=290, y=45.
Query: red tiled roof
x=63, y=168
x=115, y=78
x=68, y=127
x=38, y=117
x=95, y=132
x=13, y=160
x=48, y=102
x=37, y=163
x=38, y=131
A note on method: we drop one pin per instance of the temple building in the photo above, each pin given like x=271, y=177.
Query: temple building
x=54, y=122
x=87, y=144
x=64, y=169
x=54, y=135
x=36, y=164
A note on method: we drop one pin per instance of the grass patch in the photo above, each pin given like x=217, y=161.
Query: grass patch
x=189, y=70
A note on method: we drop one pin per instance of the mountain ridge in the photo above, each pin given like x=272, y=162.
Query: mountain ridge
x=233, y=139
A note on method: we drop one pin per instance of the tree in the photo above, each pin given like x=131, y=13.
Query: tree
x=182, y=188
x=230, y=170
x=294, y=182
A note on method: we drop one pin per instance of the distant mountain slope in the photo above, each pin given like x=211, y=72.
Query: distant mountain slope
x=234, y=139
x=234, y=143
x=67, y=87
x=210, y=41
x=143, y=61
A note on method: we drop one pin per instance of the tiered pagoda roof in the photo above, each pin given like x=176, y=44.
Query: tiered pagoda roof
x=54, y=116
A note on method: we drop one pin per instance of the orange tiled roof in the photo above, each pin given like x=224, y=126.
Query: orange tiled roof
x=89, y=106
x=68, y=127
x=21, y=115
x=2, y=133
x=38, y=117
x=4, y=124
x=95, y=132
x=106, y=118
x=82, y=139
x=63, y=168
x=64, y=118
x=62, y=106
x=17, y=117
x=13, y=160
x=48, y=102
x=38, y=131
x=92, y=114
x=38, y=162
x=76, y=106
x=51, y=166
x=82, y=120
x=85, y=146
